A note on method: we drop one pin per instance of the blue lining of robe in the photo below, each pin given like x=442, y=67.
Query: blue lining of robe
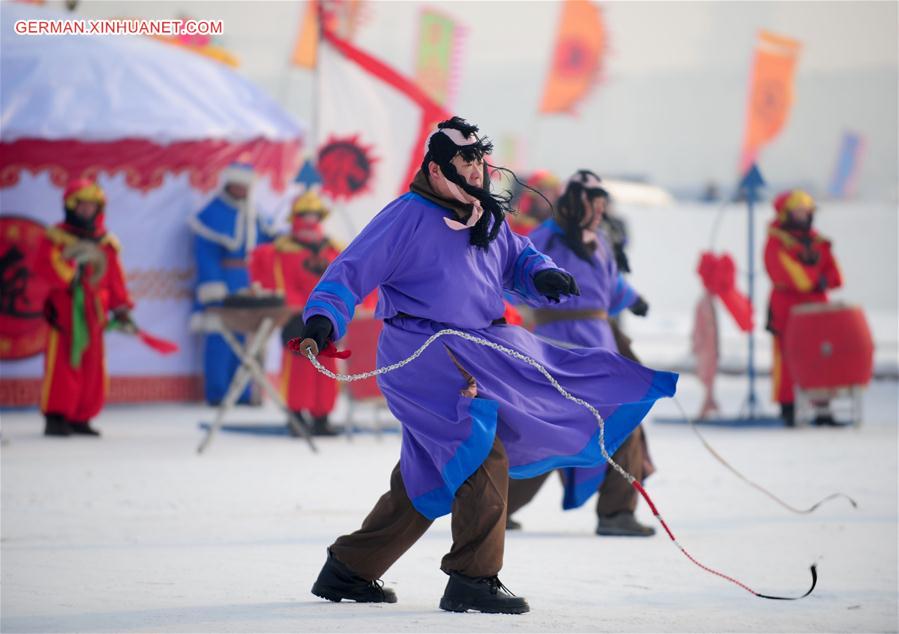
x=553, y=226
x=469, y=456
x=576, y=495
x=341, y=291
x=527, y=260
x=590, y=456
x=586, y=457
x=627, y=296
x=339, y=319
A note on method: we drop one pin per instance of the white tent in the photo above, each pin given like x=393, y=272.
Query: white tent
x=155, y=124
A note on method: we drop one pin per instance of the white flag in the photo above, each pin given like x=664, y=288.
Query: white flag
x=373, y=125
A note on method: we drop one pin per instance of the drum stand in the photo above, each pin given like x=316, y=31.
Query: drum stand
x=808, y=403
x=258, y=324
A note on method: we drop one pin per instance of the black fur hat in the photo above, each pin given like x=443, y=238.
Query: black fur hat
x=458, y=137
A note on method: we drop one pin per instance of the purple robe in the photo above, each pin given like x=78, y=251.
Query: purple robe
x=602, y=288
x=430, y=278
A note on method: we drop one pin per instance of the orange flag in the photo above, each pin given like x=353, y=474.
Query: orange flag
x=577, y=57
x=770, y=93
x=305, y=49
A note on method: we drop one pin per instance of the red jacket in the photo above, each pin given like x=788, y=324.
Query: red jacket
x=102, y=295
x=291, y=267
x=802, y=268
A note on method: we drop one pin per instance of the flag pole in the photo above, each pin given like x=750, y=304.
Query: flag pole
x=751, y=183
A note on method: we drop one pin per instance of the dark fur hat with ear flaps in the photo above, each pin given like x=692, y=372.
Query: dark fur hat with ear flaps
x=458, y=137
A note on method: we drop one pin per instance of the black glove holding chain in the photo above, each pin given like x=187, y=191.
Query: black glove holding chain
x=553, y=283
x=293, y=329
x=640, y=308
x=317, y=330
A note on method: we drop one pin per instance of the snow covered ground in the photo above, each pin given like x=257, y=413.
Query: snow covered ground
x=138, y=533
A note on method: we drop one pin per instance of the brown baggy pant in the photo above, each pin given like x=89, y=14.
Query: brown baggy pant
x=615, y=494
x=478, y=525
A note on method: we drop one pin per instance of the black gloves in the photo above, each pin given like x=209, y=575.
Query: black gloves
x=553, y=283
x=318, y=329
x=293, y=329
x=639, y=307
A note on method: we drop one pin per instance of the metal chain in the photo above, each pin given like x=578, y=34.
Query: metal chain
x=346, y=378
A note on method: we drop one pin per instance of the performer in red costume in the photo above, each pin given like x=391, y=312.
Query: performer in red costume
x=79, y=261
x=802, y=268
x=293, y=265
x=533, y=207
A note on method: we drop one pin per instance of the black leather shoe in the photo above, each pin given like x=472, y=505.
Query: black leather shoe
x=788, y=413
x=56, y=425
x=83, y=428
x=321, y=427
x=337, y=582
x=623, y=524
x=481, y=594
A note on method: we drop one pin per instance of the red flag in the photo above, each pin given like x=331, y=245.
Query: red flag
x=718, y=275
x=162, y=346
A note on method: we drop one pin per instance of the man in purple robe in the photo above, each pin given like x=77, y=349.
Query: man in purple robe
x=572, y=239
x=442, y=256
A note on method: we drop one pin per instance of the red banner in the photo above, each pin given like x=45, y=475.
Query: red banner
x=145, y=163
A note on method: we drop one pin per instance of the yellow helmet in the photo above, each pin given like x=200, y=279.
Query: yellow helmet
x=309, y=203
x=83, y=189
x=791, y=200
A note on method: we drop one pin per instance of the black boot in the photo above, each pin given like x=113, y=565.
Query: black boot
x=481, y=594
x=321, y=427
x=787, y=412
x=83, y=428
x=56, y=425
x=303, y=421
x=336, y=582
x=623, y=524
x=512, y=525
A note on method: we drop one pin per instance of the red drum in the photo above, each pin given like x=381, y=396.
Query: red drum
x=829, y=345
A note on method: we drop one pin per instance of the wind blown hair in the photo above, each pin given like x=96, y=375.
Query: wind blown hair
x=573, y=214
x=442, y=149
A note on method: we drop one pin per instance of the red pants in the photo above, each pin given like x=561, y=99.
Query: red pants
x=781, y=378
x=304, y=387
x=75, y=393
